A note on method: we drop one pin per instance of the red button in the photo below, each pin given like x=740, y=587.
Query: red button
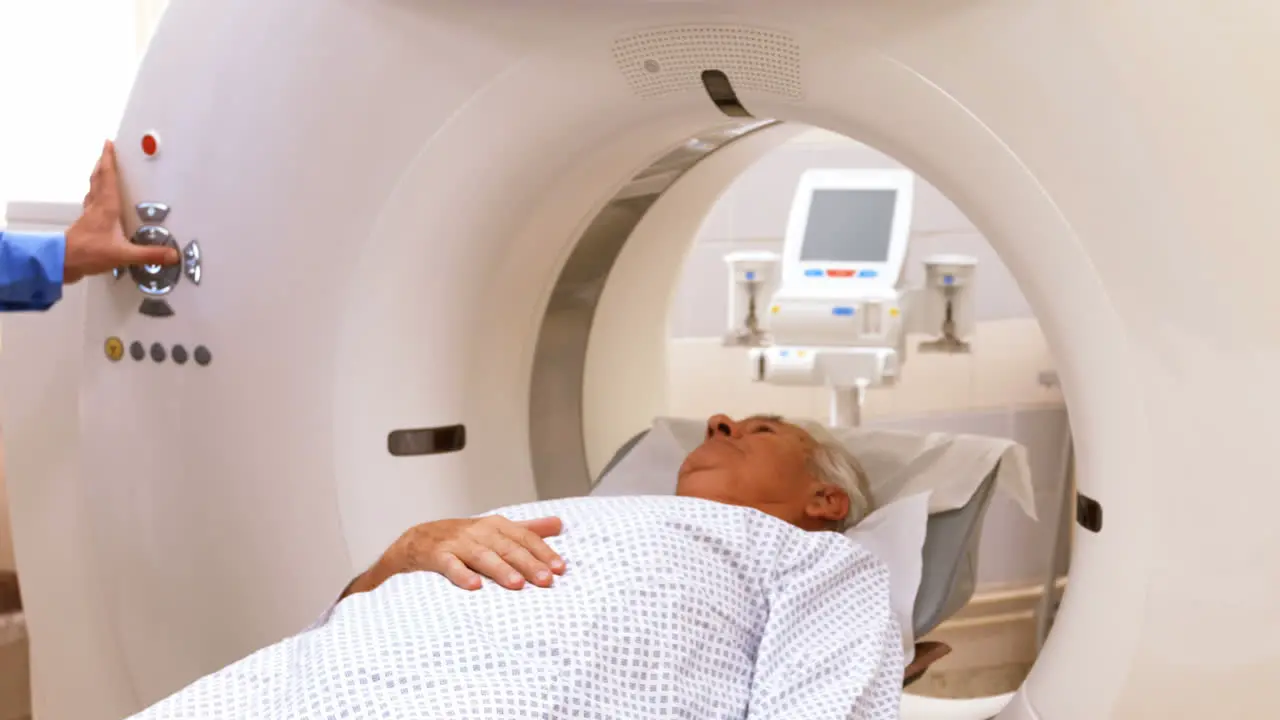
x=840, y=273
x=150, y=145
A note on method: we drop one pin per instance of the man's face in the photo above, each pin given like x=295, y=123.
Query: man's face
x=761, y=462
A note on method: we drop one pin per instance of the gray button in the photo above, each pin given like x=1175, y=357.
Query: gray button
x=155, y=307
x=191, y=261
x=155, y=280
x=136, y=351
x=202, y=355
x=179, y=354
x=157, y=352
x=152, y=212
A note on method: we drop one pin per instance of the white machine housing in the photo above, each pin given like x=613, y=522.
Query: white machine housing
x=842, y=257
x=837, y=315
x=841, y=315
x=386, y=194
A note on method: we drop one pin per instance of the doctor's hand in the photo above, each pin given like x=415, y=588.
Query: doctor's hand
x=509, y=553
x=96, y=243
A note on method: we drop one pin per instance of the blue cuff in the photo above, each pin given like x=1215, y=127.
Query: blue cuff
x=31, y=270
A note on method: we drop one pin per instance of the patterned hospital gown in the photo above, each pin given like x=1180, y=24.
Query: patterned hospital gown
x=669, y=608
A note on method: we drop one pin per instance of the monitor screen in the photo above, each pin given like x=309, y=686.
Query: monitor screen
x=849, y=226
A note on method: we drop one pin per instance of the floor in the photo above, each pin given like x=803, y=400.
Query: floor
x=971, y=682
x=15, y=695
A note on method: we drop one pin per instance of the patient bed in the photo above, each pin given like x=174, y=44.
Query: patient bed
x=444, y=655
x=950, y=559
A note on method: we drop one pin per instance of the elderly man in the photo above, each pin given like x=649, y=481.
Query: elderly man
x=730, y=600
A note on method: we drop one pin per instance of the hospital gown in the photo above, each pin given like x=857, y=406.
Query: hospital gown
x=669, y=608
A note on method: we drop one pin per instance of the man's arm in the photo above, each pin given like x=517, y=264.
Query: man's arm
x=832, y=648
x=509, y=553
x=35, y=266
x=31, y=270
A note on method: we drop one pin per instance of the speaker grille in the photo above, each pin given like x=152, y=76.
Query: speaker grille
x=668, y=60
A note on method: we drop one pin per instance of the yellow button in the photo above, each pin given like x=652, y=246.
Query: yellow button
x=114, y=348
x=893, y=312
x=774, y=309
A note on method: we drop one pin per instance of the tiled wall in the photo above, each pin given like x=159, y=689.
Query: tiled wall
x=993, y=391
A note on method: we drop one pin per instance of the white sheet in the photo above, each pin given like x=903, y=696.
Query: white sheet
x=669, y=608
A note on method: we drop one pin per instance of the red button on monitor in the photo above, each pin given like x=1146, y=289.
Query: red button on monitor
x=840, y=273
x=150, y=144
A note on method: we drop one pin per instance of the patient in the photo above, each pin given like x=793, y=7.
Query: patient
x=729, y=600
x=796, y=472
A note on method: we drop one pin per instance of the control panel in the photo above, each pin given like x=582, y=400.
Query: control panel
x=155, y=282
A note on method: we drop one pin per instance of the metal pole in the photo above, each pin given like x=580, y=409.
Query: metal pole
x=846, y=406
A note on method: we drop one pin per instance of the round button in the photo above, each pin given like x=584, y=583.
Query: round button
x=179, y=354
x=150, y=144
x=114, y=348
x=157, y=352
x=203, y=356
x=155, y=280
x=136, y=351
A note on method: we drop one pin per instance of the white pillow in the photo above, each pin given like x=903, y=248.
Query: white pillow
x=895, y=534
x=950, y=466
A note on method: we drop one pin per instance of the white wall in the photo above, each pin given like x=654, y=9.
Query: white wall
x=994, y=391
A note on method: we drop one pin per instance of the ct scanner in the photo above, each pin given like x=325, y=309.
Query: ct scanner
x=405, y=213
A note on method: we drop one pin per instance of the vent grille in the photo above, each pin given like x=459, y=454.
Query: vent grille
x=662, y=61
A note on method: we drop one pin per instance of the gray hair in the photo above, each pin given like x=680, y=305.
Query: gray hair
x=833, y=463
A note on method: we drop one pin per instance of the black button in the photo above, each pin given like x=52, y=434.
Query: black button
x=202, y=355
x=153, y=307
x=136, y=351
x=179, y=354
x=157, y=352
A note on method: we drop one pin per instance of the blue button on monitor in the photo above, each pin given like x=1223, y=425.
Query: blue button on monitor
x=784, y=353
x=867, y=273
x=845, y=311
x=948, y=279
x=813, y=273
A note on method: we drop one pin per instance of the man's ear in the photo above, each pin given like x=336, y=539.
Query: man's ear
x=828, y=503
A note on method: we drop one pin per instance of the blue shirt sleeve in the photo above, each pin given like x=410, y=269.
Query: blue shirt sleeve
x=31, y=270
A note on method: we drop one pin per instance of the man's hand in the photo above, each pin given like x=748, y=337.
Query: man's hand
x=96, y=242
x=506, y=552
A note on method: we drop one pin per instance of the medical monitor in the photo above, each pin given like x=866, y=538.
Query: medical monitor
x=849, y=226
x=848, y=229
